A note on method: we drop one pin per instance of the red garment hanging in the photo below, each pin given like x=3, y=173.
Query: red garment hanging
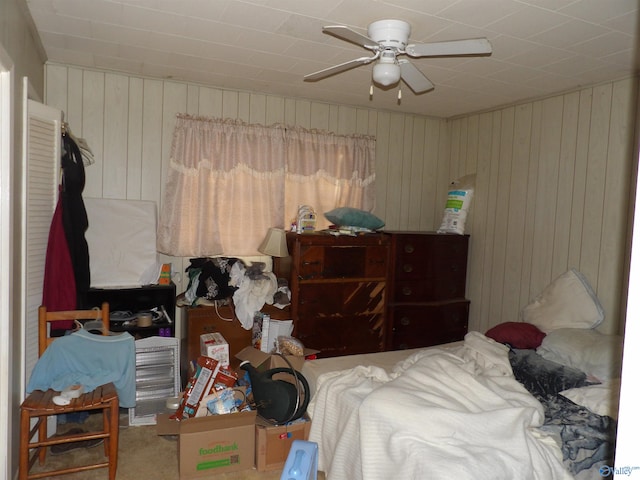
x=59, y=288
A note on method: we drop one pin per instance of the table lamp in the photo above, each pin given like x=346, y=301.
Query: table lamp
x=275, y=245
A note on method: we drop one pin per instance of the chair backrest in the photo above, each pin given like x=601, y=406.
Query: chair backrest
x=45, y=316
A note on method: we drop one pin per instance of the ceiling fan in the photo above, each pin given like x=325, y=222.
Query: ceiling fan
x=388, y=39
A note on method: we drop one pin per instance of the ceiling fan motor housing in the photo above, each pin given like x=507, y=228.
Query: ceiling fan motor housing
x=390, y=33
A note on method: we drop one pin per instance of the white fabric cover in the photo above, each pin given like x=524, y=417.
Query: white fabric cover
x=592, y=352
x=122, y=242
x=567, y=302
x=313, y=369
x=601, y=399
x=442, y=413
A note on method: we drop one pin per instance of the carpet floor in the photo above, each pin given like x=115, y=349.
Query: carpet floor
x=142, y=454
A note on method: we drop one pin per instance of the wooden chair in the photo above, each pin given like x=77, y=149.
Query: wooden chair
x=39, y=405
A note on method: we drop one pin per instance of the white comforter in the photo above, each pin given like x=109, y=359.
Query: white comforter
x=441, y=414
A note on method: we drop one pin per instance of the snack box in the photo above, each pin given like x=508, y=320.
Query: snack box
x=214, y=345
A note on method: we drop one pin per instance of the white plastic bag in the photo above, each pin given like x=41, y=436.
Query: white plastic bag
x=458, y=203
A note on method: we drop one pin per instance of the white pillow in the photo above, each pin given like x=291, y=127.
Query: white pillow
x=595, y=354
x=602, y=399
x=567, y=302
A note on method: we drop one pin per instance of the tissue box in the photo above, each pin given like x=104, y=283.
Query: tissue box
x=214, y=345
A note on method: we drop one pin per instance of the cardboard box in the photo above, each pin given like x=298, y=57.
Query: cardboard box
x=274, y=442
x=214, y=345
x=266, y=361
x=211, y=445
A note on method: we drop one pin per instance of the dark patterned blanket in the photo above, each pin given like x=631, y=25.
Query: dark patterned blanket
x=587, y=438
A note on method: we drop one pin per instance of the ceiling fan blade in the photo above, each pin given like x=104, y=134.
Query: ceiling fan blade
x=349, y=35
x=319, y=75
x=414, y=77
x=474, y=46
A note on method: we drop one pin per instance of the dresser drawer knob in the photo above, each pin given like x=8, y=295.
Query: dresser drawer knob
x=404, y=321
x=406, y=291
x=408, y=248
x=407, y=267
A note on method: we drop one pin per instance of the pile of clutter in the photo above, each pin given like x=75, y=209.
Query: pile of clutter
x=221, y=279
x=212, y=390
x=230, y=420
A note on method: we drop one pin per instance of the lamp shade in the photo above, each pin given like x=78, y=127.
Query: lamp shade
x=274, y=243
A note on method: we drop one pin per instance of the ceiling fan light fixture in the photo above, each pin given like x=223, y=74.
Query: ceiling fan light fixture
x=386, y=71
x=386, y=74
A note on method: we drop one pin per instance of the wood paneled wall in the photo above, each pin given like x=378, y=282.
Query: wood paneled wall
x=552, y=175
x=553, y=192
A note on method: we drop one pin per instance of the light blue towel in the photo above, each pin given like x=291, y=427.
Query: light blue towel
x=89, y=360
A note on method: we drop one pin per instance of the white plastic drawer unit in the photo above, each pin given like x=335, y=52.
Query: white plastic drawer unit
x=157, y=377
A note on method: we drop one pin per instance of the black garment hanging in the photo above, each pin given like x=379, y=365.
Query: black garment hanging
x=74, y=214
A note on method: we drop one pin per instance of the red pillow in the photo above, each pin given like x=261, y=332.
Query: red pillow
x=517, y=334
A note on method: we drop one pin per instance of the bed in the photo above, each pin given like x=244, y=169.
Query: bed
x=538, y=406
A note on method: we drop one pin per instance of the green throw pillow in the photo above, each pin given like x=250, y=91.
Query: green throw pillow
x=354, y=217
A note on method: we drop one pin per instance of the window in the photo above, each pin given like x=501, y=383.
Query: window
x=229, y=181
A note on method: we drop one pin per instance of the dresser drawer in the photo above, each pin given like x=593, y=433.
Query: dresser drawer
x=425, y=325
x=428, y=289
x=376, y=262
x=344, y=334
x=340, y=299
x=318, y=262
x=431, y=256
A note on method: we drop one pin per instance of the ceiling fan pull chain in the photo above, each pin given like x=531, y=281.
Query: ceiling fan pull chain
x=399, y=93
x=371, y=91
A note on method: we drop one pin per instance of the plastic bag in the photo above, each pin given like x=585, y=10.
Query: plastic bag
x=458, y=203
x=290, y=346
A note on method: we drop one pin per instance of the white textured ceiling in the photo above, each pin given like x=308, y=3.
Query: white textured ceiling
x=540, y=47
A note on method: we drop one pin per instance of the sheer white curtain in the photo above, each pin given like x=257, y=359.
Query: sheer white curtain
x=325, y=171
x=229, y=181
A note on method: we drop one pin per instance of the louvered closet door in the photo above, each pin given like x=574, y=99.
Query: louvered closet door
x=41, y=173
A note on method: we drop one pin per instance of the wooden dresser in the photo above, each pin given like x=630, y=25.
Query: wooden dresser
x=426, y=302
x=338, y=289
